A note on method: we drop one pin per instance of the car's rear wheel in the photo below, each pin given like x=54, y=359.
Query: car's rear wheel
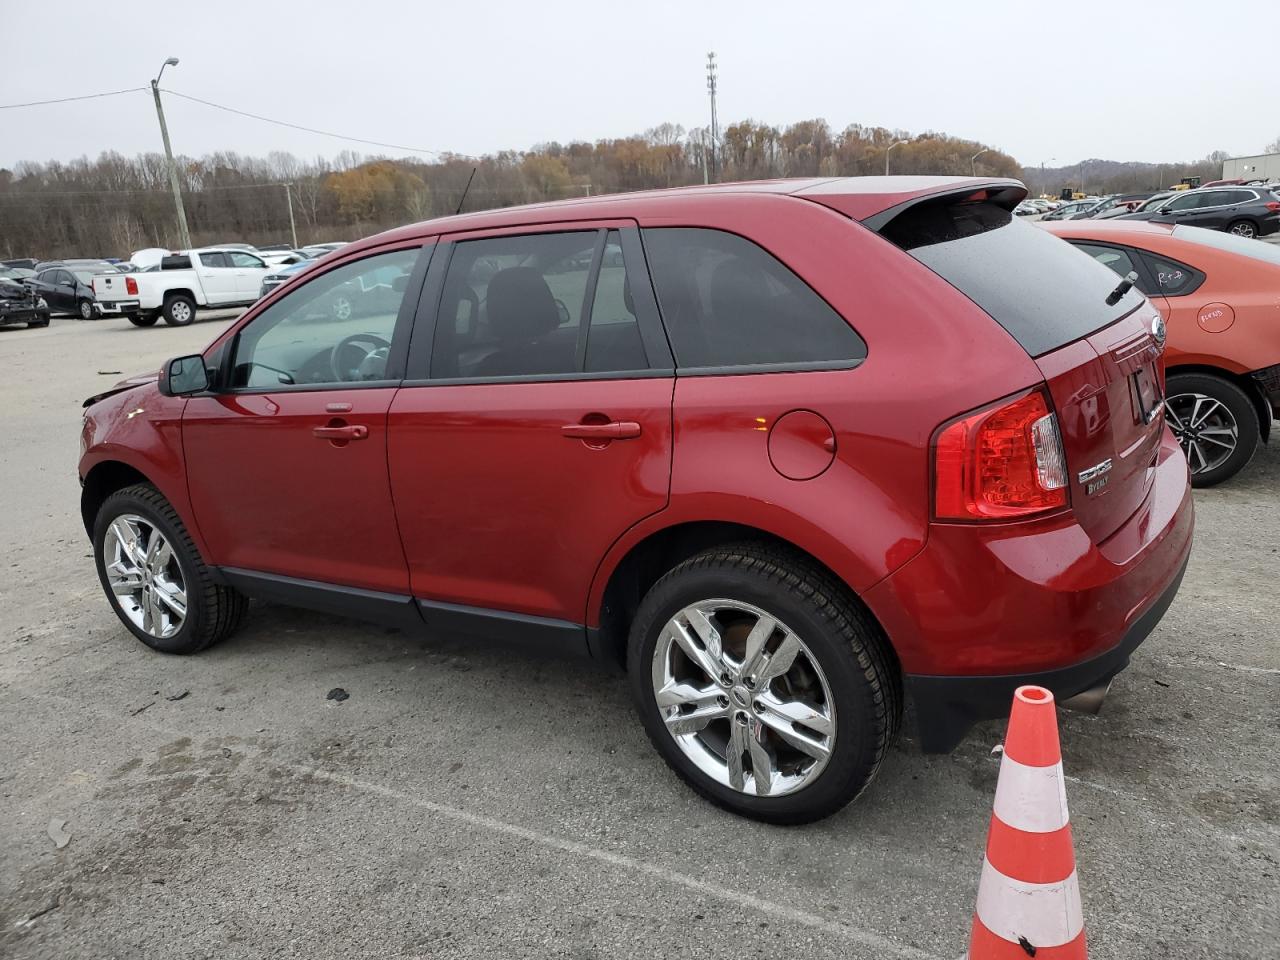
x=42, y=322
x=1215, y=423
x=85, y=309
x=154, y=577
x=1243, y=228
x=178, y=310
x=143, y=319
x=762, y=683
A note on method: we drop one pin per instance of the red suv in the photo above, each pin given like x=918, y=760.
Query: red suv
x=787, y=450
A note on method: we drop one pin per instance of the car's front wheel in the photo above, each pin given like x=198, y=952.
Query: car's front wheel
x=85, y=309
x=1214, y=422
x=154, y=577
x=762, y=683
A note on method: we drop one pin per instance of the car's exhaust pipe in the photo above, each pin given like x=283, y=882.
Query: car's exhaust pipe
x=1088, y=701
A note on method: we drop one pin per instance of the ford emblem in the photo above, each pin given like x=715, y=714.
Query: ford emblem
x=1158, y=331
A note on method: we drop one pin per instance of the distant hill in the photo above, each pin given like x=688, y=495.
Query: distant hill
x=1120, y=176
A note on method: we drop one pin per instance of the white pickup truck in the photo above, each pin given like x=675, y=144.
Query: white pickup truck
x=182, y=282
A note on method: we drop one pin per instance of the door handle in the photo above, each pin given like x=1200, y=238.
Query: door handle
x=352, y=431
x=617, y=430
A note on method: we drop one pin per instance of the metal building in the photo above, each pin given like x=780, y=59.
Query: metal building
x=1265, y=166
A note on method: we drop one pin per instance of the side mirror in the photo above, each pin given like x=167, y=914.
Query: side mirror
x=184, y=376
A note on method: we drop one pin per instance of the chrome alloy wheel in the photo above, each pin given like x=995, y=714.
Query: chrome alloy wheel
x=341, y=308
x=743, y=697
x=144, y=575
x=1205, y=428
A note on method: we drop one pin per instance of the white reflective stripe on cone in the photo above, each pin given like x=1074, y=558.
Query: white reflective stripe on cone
x=1033, y=799
x=1046, y=914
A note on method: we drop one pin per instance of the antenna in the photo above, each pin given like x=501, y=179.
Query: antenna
x=465, y=190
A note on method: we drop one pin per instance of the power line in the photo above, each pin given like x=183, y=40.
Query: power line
x=296, y=126
x=87, y=96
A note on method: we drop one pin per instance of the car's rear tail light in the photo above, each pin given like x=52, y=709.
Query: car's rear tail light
x=1000, y=463
x=131, y=286
x=1272, y=205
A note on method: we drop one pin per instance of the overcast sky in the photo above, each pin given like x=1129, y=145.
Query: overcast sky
x=1042, y=80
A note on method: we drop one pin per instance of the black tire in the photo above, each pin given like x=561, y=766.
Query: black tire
x=1243, y=228
x=213, y=611
x=849, y=647
x=143, y=319
x=84, y=310
x=178, y=310
x=38, y=323
x=1206, y=473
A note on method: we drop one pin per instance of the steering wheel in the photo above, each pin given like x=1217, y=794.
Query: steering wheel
x=350, y=362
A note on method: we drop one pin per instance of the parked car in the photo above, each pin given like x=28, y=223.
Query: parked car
x=281, y=275
x=1073, y=209
x=67, y=290
x=790, y=451
x=184, y=282
x=1245, y=211
x=1026, y=209
x=1123, y=210
x=1217, y=294
x=16, y=273
x=20, y=303
x=24, y=263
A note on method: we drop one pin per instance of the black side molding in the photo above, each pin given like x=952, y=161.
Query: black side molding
x=392, y=609
x=552, y=636
x=946, y=707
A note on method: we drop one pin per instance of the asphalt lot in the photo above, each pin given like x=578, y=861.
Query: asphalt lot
x=469, y=801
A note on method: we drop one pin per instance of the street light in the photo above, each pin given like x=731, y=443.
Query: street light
x=973, y=161
x=183, y=234
x=887, y=152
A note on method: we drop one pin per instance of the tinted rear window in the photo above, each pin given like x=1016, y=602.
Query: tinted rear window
x=1256, y=249
x=1044, y=292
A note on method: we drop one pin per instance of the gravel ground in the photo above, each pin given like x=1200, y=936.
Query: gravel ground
x=469, y=801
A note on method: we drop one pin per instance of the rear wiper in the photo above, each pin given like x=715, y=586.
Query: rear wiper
x=1123, y=287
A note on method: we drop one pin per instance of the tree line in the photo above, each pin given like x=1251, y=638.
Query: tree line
x=114, y=204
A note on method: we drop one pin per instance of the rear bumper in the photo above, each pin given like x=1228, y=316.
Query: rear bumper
x=118, y=307
x=986, y=608
x=1268, y=379
x=946, y=707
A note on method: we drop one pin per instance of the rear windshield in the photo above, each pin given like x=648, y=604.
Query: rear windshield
x=1043, y=291
x=1255, y=249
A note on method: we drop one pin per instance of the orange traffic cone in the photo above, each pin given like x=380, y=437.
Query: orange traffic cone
x=1028, y=896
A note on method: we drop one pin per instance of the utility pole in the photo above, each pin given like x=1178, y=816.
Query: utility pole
x=184, y=235
x=715, y=129
x=1042, y=180
x=973, y=162
x=288, y=196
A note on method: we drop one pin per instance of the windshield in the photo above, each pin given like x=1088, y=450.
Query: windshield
x=84, y=276
x=1154, y=201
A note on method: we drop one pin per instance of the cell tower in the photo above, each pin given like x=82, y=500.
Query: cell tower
x=715, y=128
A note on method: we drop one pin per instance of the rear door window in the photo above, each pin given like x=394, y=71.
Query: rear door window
x=1030, y=282
x=537, y=305
x=727, y=302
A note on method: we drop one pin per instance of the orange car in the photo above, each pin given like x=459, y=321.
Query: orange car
x=1220, y=297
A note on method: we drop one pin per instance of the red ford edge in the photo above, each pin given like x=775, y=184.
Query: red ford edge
x=789, y=451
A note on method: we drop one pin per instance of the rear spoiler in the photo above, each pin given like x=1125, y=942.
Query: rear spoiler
x=1005, y=194
x=875, y=201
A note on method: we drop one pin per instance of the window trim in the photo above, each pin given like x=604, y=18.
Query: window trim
x=400, y=335
x=737, y=369
x=421, y=347
x=1200, y=275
